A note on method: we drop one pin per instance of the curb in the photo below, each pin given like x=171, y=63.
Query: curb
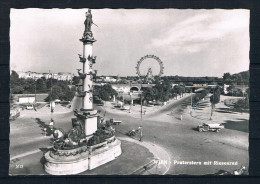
x=161, y=157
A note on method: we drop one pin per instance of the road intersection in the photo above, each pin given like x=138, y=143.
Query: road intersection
x=177, y=138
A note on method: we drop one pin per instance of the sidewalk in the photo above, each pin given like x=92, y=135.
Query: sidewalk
x=58, y=109
x=160, y=165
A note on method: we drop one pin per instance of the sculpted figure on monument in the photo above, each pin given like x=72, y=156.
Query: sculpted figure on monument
x=88, y=23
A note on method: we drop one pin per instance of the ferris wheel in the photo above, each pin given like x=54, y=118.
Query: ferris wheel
x=149, y=71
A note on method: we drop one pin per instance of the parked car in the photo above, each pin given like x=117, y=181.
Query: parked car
x=210, y=127
x=98, y=101
x=29, y=107
x=115, y=122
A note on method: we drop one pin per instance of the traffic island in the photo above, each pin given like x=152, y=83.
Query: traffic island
x=133, y=157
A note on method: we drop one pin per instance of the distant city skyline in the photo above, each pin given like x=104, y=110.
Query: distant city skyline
x=75, y=73
x=192, y=43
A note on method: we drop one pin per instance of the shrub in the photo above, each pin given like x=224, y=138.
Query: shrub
x=242, y=104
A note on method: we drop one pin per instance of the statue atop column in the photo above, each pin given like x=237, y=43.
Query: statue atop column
x=88, y=23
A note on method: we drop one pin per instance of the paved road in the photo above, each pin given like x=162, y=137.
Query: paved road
x=185, y=143
x=178, y=138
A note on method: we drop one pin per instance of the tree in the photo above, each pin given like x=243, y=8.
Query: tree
x=14, y=76
x=237, y=92
x=230, y=89
x=242, y=104
x=227, y=78
x=16, y=84
x=163, y=91
x=149, y=93
x=29, y=86
x=56, y=93
x=182, y=90
x=248, y=93
x=214, y=99
x=41, y=85
x=61, y=91
x=177, y=90
x=11, y=99
x=105, y=92
x=75, y=80
x=17, y=89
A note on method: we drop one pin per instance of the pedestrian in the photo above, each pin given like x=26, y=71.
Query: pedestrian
x=45, y=129
x=140, y=132
x=51, y=124
x=181, y=117
x=154, y=140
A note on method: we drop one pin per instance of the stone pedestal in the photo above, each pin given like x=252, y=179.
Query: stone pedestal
x=63, y=167
x=108, y=154
x=91, y=158
x=90, y=125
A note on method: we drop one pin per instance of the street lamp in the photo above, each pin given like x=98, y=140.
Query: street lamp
x=141, y=123
x=130, y=102
x=191, y=104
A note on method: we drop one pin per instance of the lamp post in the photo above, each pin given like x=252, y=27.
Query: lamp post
x=51, y=104
x=191, y=104
x=35, y=91
x=35, y=103
x=141, y=123
x=130, y=102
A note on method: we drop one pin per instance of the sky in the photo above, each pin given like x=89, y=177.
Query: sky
x=188, y=42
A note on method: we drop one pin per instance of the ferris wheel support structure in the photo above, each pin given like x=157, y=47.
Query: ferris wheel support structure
x=147, y=57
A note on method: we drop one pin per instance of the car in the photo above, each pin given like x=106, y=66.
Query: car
x=132, y=132
x=210, y=127
x=29, y=107
x=115, y=122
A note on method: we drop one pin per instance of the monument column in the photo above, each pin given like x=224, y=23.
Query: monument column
x=72, y=152
x=90, y=120
x=87, y=82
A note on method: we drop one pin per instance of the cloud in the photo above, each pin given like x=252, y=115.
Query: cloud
x=131, y=17
x=195, y=33
x=43, y=39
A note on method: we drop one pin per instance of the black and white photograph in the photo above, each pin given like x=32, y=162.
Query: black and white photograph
x=129, y=91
